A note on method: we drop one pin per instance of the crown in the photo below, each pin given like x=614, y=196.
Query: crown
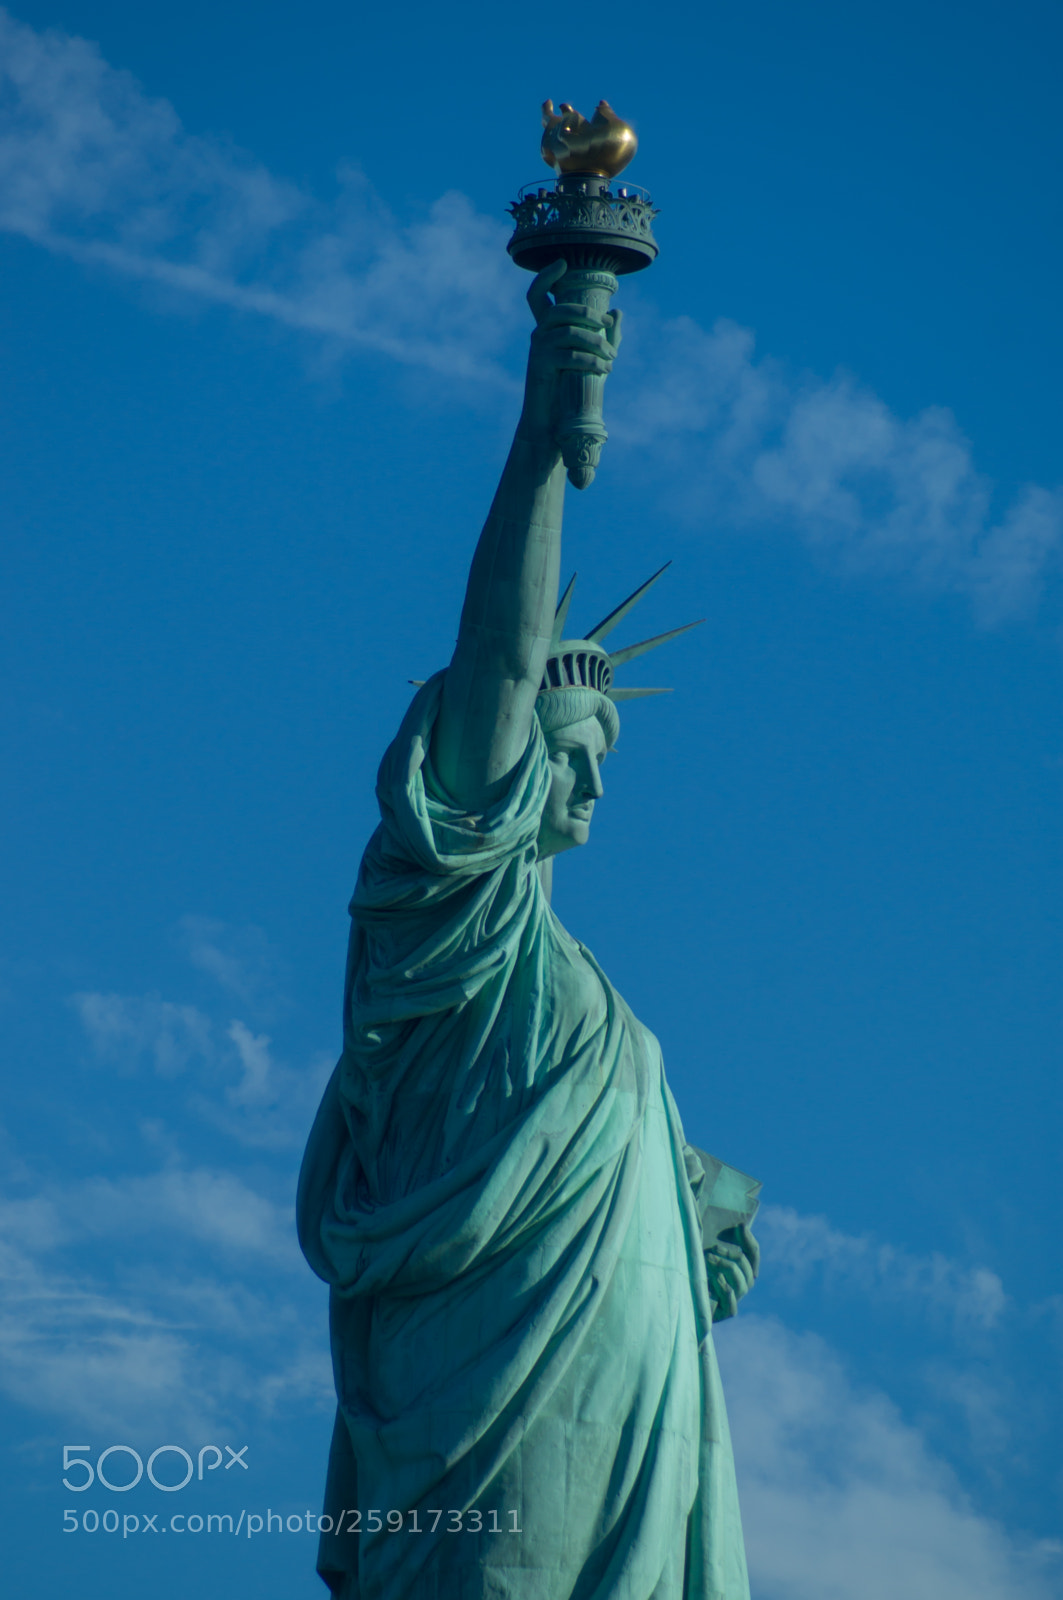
x=601, y=147
x=586, y=664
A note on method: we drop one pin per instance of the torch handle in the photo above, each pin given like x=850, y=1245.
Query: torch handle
x=581, y=431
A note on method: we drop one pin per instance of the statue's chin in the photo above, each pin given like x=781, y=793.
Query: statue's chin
x=553, y=841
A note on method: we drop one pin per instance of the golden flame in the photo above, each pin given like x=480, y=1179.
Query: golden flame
x=601, y=147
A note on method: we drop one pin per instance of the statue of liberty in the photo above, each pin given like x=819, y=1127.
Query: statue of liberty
x=525, y=1256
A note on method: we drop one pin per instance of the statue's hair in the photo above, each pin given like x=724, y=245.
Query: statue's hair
x=562, y=708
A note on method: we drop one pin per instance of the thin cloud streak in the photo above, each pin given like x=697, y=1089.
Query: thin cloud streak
x=209, y=1207
x=94, y=169
x=199, y=1311
x=802, y=1248
x=153, y=1353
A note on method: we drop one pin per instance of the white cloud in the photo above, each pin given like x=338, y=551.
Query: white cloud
x=879, y=494
x=148, y=1357
x=240, y=960
x=124, y=1029
x=69, y=1348
x=212, y=1206
x=258, y=1083
x=215, y=1207
x=799, y=1247
x=272, y=1105
x=987, y=1401
x=36, y=1222
x=843, y=1500
x=265, y=1103
x=93, y=168
x=154, y=1349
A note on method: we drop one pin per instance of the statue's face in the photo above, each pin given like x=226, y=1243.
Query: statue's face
x=576, y=756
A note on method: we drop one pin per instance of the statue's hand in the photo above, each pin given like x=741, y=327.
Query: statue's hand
x=732, y=1265
x=567, y=338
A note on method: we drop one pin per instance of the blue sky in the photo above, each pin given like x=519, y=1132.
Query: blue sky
x=262, y=345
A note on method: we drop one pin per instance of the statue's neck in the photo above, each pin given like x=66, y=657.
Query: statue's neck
x=546, y=876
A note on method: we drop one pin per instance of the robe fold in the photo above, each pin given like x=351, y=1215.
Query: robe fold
x=496, y=1188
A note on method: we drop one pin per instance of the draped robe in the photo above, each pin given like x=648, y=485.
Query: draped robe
x=496, y=1189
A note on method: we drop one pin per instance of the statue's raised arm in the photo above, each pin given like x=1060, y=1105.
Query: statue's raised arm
x=490, y=686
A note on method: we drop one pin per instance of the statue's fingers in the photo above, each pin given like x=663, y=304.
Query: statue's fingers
x=542, y=283
x=571, y=355
x=583, y=361
x=612, y=329
x=739, y=1243
x=563, y=339
x=725, y=1298
x=745, y=1269
x=732, y=1269
x=567, y=313
x=737, y=1275
x=567, y=336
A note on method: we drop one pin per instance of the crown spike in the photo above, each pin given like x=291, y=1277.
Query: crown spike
x=597, y=634
x=629, y=653
x=561, y=614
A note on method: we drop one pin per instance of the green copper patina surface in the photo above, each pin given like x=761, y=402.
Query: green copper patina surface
x=525, y=1255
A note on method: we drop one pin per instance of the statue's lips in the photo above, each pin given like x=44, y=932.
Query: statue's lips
x=582, y=813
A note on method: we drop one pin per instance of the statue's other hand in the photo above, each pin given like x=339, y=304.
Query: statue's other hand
x=567, y=338
x=732, y=1265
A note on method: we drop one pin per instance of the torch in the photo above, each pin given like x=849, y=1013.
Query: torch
x=600, y=231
